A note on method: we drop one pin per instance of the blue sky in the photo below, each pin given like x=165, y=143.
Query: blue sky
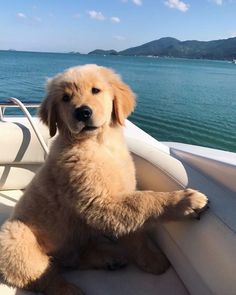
x=76, y=25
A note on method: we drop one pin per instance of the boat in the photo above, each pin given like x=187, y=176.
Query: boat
x=201, y=253
x=234, y=61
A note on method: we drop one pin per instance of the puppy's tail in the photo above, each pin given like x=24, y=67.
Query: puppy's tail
x=21, y=258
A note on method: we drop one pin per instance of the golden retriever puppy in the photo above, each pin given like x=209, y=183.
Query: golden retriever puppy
x=86, y=191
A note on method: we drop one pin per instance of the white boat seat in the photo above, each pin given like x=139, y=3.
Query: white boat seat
x=19, y=143
x=97, y=282
x=20, y=153
x=8, y=199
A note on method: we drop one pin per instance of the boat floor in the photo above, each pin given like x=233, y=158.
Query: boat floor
x=127, y=281
x=122, y=282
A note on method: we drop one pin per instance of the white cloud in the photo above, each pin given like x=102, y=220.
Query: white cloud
x=218, y=2
x=21, y=15
x=27, y=19
x=119, y=38
x=115, y=19
x=137, y=2
x=177, y=4
x=96, y=15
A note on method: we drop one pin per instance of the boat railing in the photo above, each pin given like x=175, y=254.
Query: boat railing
x=16, y=103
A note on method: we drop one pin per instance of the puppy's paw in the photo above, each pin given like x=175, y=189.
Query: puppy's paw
x=188, y=203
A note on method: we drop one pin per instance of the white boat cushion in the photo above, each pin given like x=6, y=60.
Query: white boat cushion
x=17, y=176
x=93, y=282
x=21, y=154
x=19, y=143
x=8, y=199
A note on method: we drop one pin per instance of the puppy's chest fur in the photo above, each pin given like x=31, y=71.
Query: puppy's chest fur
x=95, y=168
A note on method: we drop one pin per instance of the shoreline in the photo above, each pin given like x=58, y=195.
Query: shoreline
x=114, y=56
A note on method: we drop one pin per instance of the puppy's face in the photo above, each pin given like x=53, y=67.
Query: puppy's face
x=84, y=99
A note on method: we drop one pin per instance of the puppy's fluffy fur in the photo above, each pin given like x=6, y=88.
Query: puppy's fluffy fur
x=85, y=190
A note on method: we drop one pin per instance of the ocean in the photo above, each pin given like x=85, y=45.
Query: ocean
x=189, y=101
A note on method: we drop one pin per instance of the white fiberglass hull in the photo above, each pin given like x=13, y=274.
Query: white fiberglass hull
x=202, y=252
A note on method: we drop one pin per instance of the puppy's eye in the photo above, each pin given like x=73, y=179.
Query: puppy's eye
x=66, y=97
x=95, y=90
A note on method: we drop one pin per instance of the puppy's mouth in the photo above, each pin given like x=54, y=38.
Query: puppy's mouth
x=89, y=128
x=85, y=128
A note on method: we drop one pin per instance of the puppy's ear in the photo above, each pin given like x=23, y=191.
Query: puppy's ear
x=47, y=113
x=124, y=98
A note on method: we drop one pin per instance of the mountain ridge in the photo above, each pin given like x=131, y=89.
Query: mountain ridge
x=224, y=49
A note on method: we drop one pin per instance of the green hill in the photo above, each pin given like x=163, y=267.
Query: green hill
x=104, y=52
x=218, y=49
x=171, y=47
x=156, y=47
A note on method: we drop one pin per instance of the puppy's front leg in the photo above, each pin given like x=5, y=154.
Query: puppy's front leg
x=126, y=213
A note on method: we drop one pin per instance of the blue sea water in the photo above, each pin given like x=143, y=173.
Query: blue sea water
x=190, y=101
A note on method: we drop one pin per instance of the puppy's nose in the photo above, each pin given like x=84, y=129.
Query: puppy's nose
x=83, y=113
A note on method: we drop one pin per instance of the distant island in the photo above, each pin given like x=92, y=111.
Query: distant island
x=224, y=49
x=104, y=52
x=74, y=52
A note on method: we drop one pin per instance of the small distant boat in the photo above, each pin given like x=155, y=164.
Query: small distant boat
x=201, y=253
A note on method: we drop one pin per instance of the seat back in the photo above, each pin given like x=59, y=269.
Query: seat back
x=21, y=154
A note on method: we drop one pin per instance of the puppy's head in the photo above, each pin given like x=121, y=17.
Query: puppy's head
x=83, y=99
